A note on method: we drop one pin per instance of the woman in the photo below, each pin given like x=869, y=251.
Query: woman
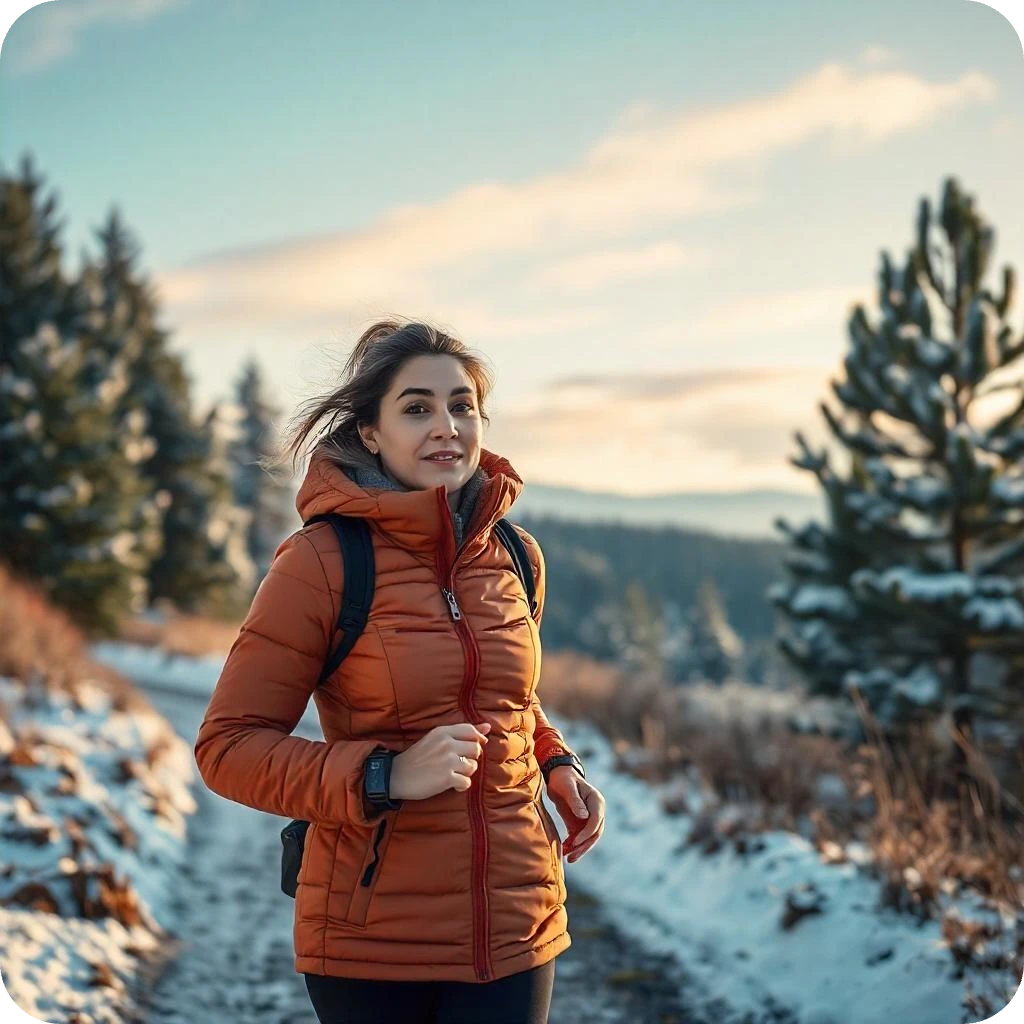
x=435, y=894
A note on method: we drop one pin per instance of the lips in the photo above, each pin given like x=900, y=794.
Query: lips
x=435, y=458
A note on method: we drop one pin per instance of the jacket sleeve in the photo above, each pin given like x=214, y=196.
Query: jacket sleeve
x=244, y=749
x=547, y=740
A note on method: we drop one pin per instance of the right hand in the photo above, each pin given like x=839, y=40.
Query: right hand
x=433, y=764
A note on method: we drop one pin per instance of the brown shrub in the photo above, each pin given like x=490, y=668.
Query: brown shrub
x=40, y=646
x=187, y=635
x=739, y=748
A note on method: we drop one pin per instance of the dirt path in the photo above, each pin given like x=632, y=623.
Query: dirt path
x=233, y=962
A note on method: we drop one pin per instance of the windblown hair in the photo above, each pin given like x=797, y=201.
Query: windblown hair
x=371, y=367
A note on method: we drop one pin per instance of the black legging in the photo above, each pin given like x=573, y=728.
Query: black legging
x=522, y=998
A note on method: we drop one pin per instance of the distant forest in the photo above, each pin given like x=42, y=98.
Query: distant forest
x=590, y=565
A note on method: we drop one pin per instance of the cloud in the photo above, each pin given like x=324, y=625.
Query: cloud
x=877, y=54
x=648, y=170
x=51, y=31
x=710, y=429
x=591, y=270
x=780, y=312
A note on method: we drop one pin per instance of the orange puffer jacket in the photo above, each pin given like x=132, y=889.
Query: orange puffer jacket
x=461, y=886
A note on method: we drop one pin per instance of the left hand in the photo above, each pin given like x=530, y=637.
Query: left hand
x=574, y=795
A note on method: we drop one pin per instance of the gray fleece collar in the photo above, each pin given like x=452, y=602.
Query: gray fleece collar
x=463, y=515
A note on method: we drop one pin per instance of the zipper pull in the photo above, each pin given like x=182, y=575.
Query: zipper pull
x=453, y=605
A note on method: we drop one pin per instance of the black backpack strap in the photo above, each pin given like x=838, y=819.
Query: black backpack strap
x=356, y=547
x=509, y=536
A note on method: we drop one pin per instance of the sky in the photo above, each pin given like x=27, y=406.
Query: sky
x=652, y=219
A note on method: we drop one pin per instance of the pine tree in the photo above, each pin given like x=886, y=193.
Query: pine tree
x=921, y=565
x=715, y=649
x=121, y=328
x=626, y=630
x=204, y=567
x=68, y=486
x=186, y=522
x=263, y=496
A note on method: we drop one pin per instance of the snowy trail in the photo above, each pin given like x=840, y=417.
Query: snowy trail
x=662, y=931
x=235, y=926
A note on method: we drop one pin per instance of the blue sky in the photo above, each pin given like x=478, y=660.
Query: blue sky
x=652, y=218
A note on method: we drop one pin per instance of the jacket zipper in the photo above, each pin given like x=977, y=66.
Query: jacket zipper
x=478, y=882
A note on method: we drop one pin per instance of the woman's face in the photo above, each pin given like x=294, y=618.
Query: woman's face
x=420, y=415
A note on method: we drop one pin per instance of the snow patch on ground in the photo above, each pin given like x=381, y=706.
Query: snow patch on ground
x=844, y=961
x=94, y=801
x=848, y=963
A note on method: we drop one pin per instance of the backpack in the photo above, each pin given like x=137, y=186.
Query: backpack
x=357, y=557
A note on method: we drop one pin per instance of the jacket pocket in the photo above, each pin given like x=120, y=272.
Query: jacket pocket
x=388, y=630
x=369, y=873
x=307, y=843
x=511, y=652
x=550, y=832
x=514, y=624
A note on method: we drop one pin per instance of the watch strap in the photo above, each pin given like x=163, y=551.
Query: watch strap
x=377, y=779
x=559, y=759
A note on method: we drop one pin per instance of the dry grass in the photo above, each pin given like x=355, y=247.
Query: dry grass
x=189, y=635
x=736, y=742
x=924, y=837
x=39, y=645
x=734, y=738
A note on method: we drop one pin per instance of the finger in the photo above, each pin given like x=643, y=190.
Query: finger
x=580, y=806
x=585, y=833
x=584, y=843
x=469, y=731
x=579, y=851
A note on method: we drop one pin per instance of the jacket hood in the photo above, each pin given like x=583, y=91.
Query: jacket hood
x=415, y=519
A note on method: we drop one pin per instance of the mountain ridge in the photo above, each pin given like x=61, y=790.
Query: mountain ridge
x=746, y=513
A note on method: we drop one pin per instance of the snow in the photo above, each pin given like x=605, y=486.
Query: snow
x=815, y=598
x=922, y=687
x=841, y=960
x=19, y=387
x=933, y=353
x=995, y=614
x=1009, y=490
x=151, y=666
x=910, y=585
x=925, y=492
x=720, y=914
x=76, y=490
x=93, y=809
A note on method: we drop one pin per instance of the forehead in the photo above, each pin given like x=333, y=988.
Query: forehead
x=438, y=373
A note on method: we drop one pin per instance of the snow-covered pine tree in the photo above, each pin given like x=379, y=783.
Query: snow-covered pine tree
x=626, y=630
x=122, y=326
x=921, y=567
x=204, y=568
x=195, y=566
x=830, y=635
x=68, y=482
x=714, y=648
x=265, y=497
x=643, y=639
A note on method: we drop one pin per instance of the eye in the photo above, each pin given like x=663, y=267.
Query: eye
x=420, y=405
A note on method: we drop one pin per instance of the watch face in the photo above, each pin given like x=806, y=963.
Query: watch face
x=375, y=774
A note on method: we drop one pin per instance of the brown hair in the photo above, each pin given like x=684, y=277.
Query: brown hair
x=371, y=367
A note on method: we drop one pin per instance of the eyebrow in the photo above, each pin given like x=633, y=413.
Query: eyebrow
x=464, y=390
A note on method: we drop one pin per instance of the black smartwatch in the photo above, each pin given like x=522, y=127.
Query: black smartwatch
x=554, y=762
x=377, y=779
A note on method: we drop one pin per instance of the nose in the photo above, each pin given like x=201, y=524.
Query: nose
x=445, y=427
